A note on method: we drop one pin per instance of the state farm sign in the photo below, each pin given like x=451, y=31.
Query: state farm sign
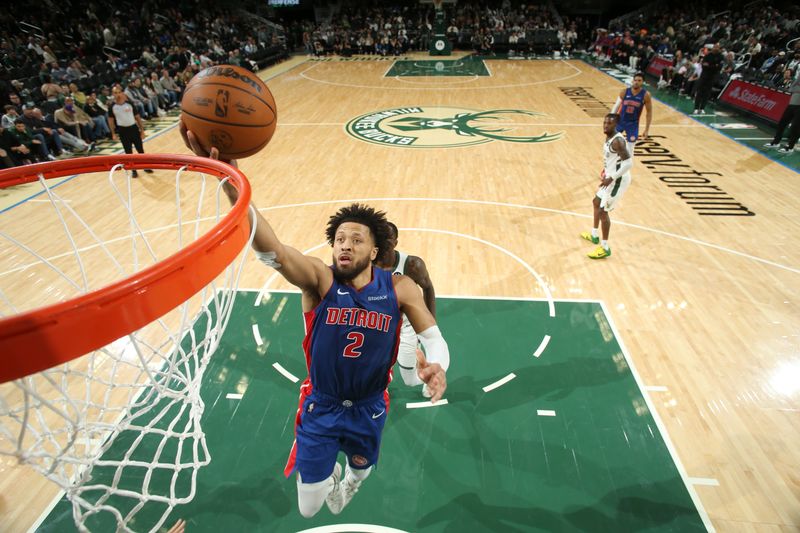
x=762, y=101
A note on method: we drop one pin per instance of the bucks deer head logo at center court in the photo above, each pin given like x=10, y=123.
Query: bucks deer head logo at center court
x=443, y=127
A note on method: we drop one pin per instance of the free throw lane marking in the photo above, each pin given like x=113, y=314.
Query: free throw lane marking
x=288, y=375
x=257, y=335
x=499, y=382
x=355, y=528
x=542, y=346
x=419, y=405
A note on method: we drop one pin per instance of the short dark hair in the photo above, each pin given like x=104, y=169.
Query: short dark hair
x=393, y=228
x=639, y=75
x=613, y=116
x=361, y=214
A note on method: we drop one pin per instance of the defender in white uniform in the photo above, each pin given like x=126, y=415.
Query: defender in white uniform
x=400, y=263
x=614, y=181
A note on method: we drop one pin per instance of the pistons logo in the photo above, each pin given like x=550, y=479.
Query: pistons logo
x=359, y=460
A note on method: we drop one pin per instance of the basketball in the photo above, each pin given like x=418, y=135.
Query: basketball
x=229, y=108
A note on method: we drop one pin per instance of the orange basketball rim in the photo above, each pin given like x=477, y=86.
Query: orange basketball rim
x=46, y=337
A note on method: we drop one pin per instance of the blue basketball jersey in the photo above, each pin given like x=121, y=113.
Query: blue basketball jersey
x=352, y=338
x=632, y=106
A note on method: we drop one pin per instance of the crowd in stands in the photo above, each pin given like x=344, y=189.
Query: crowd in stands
x=394, y=28
x=60, y=64
x=757, y=42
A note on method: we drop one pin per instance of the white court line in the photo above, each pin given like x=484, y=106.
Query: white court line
x=542, y=346
x=532, y=208
x=449, y=82
x=499, y=382
x=550, y=302
x=453, y=296
x=354, y=528
x=656, y=388
x=752, y=138
x=542, y=283
x=707, y=481
x=545, y=412
x=660, y=424
x=577, y=72
x=420, y=405
x=391, y=66
x=37, y=201
x=518, y=124
x=443, y=200
x=257, y=335
x=233, y=396
x=288, y=375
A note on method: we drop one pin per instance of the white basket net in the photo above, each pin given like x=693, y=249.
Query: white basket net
x=118, y=429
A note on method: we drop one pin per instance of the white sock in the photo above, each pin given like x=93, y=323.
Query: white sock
x=594, y=233
x=604, y=244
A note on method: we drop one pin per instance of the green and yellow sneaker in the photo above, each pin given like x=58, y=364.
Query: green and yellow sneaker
x=588, y=236
x=600, y=253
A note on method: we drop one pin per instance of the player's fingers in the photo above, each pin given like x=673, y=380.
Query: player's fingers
x=437, y=385
x=427, y=372
x=184, y=131
x=194, y=144
x=215, y=155
x=438, y=391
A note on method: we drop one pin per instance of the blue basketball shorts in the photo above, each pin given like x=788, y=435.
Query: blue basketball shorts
x=630, y=129
x=327, y=425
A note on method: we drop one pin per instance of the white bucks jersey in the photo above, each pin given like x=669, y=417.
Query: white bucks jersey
x=611, y=158
x=400, y=267
x=407, y=334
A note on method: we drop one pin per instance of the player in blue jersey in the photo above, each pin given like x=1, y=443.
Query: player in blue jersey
x=352, y=313
x=628, y=106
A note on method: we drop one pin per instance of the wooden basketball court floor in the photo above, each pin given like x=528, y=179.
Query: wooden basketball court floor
x=700, y=292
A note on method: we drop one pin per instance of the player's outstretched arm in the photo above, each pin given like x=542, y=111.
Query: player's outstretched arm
x=417, y=271
x=618, y=103
x=432, y=371
x=307, y=273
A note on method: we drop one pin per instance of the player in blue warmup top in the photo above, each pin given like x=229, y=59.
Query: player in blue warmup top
x=352, y=311
x=628, y=106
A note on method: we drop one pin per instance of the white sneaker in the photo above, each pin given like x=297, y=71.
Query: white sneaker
x=335, y=498
x=772, y=145
x=349, y=488
x=696, y=112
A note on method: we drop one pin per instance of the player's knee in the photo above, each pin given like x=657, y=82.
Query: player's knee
x=311, y=496
x=359, y=475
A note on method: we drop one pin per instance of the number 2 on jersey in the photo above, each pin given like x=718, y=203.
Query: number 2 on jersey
x=352, y=349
